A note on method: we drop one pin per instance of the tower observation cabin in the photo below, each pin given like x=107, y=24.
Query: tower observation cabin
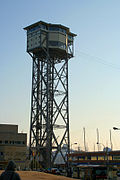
x=50, y=46
x=55, y=37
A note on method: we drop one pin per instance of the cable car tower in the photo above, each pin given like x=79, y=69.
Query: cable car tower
x=50, y=46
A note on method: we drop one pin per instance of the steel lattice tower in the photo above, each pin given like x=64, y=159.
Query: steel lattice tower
x=50, y=46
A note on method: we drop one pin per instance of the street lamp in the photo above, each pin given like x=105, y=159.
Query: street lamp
x=102, y=145
x=72, y=145
x=107, y=154
x=115, y=128
x=105, y=149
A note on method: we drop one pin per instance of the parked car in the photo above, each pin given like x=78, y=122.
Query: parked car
x=55, y=171
x=118, y=173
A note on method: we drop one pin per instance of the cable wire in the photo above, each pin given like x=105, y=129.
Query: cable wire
x=100, y=60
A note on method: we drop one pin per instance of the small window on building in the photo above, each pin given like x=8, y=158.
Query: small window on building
x=0, y=142
x=11, y=142
x=109, y=157
x=116, y=157
x=17, y=142
x=81, y=157
x=23, y=142
x=93, y=157
x=89, y=157
x=6, y=142
x=1, y=153
x=101, y=157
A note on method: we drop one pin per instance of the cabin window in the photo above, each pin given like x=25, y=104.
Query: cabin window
x=54, y=28
x=62, y=30
x=53, y=43
x=57, y=43
x=62, y=45
x=33, y=29
x=70, y=37
x=43, y=26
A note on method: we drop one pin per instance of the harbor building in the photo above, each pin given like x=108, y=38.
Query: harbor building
x=13, y=146
x=87, y=164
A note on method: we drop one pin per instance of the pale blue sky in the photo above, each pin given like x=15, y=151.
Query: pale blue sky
x=94, y=85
